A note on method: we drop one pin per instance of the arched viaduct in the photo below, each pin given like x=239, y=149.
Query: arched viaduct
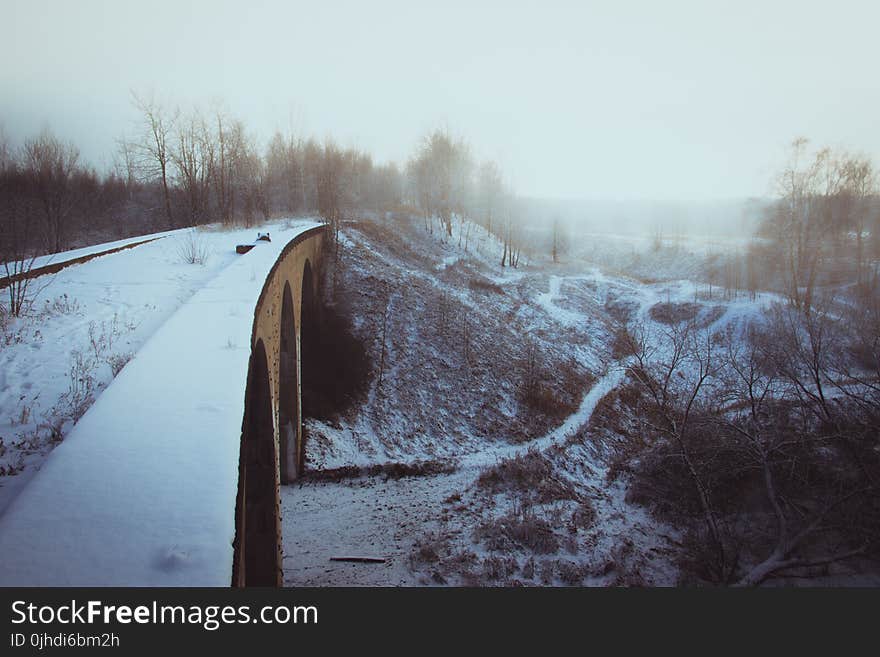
x=272, y=446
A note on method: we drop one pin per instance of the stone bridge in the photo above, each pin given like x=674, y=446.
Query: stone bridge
x=171, y=478
x=272, y=448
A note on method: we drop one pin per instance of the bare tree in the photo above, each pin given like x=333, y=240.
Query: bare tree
x=860, y=186
x=193, y=157
x=559, y=239
x=154, y=145
x=441, y=171
x=763, y=375
x=490, y=189
x=331, y=181
x=739, y=412
x=18, y=241
x=51, y=166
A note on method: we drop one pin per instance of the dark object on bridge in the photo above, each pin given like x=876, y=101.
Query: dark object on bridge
x=244, y=248
x=359, y=559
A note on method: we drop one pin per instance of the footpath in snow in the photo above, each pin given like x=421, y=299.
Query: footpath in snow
x=386, y=518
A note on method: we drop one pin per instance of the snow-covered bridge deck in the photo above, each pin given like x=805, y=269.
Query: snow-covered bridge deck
x=143, y=489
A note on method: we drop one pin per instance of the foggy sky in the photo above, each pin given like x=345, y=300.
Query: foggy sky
x=613, y=100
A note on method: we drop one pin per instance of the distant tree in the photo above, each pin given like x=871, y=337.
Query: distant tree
x=18, y=238
x=799, y=221
x=490, y=188
x=51, y=167
x=193, y=157
x=331, y=185
x=861, y=189
x=511, y=230
x=559, y=243
x=154, y=145
x=441, y=169
x=285, y=174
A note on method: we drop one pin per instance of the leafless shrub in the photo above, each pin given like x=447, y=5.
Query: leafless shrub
x=570, y=573
x=118, y=361
x=547, y=572
x=433, y=553
x=80, y=387
x=552, y=394
x=54, y=426
x=746, y=447
x=101, y=337
x=192, y=249
x=428, y=550
x=23, y=416
x=12, y=469
x=496, y=568
x=521, y=528
x=582, y=517
x=484, y=285
x=674, y=313
x=531, y=475
x=62, y=305
x=620, y=310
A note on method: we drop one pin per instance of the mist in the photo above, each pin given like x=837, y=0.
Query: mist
x=462, y=293
x=688, y=101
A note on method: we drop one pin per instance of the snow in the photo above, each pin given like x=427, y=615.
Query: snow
x=564, y=305
x=572, y=424
x=389, y=518
x=561, y=315
x=65, y=256
x=88, y=315
x=142, y=490
x=136, y=492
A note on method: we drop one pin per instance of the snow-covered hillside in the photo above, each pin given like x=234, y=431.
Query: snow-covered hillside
x=472, y=455
x=463, y=477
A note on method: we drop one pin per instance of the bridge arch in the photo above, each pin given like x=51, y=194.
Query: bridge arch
x=257, y=518
x=288, y=391
x=308, y=325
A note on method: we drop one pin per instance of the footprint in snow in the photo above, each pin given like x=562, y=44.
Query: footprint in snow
x=172, y=558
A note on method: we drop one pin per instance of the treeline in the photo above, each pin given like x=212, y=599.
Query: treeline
x=47, y=194
x=185, y=168
x=820, y=233
x=825, y=226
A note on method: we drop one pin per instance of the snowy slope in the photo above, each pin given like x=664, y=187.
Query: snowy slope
x=141, y=491
x=441, y=525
